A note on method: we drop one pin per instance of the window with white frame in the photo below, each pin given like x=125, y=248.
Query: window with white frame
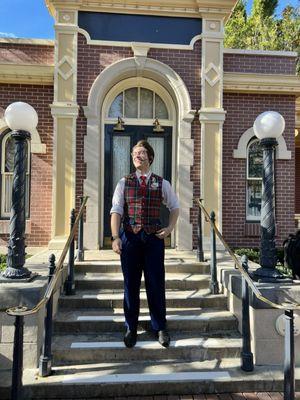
x=7, y=169
x=138, y=102
x=254, y=180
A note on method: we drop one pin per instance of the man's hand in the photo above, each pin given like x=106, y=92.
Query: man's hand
x=163, y=233
x=117, y=246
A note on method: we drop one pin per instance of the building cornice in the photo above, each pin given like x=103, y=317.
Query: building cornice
x=38, y=42
x=261, y=52
x=261, y=83
x=160, y=7
x=27, y=74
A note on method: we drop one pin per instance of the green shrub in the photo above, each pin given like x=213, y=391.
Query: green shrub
x=254, y=254
x=3, y=261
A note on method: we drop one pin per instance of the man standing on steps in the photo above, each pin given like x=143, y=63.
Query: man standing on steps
x=136, y=202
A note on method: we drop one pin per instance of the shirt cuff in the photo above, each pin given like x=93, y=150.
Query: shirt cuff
x=117, y=210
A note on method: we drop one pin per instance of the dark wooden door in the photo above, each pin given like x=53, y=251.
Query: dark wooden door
x=118, y=162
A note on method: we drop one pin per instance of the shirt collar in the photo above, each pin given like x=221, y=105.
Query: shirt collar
x=138, y=174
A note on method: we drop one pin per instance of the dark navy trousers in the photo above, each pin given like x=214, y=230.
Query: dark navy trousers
x=143, y=252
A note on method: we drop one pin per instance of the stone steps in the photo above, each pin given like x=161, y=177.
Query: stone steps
x=173, y=265
x=73, y=349
x=140, y=378
x=90, y=360
x=112, y=280
x=185, y=319
x=107, y=298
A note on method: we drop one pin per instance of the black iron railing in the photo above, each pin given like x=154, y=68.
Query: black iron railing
x=19, y=313
x=287, y=307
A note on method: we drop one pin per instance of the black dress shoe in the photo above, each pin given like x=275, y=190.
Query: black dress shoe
x=130, y=338
x=164, y=338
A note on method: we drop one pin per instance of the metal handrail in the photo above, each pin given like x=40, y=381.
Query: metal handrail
x=256, y=291
x=23, y=311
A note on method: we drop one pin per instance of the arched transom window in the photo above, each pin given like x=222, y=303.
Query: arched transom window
x=138, y=102
x=7, y=169
x=254, y=179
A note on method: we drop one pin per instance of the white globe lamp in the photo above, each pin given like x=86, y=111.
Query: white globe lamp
x=21, y=116
x=269, y=124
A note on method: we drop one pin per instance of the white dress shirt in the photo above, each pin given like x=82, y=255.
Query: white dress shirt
x=169, y=196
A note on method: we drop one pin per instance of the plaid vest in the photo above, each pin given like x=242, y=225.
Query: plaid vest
x=142, y=207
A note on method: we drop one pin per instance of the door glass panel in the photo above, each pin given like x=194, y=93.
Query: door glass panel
x=121, y=158
x=161, y=111
x=116, y=109
x=158, y=146
x=146, y=103
x=131, y=103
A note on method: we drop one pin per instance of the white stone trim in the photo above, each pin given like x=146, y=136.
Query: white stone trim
x=282, y=153
x=261, y=52
x=39, y=42
x=140, y=50
x=36, y=145
x=93, y=149
x=98, y=42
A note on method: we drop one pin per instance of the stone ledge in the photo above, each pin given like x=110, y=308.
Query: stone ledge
x=276, y=292
x=25, y=294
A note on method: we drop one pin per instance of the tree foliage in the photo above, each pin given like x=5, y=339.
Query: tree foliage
x=264, y=8
x=262, y=29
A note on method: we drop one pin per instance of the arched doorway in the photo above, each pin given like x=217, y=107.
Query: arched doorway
x=138, y=102
x=163, y=80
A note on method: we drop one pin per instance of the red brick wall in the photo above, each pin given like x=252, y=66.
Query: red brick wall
x=259, y=64
x=297, y=180
x=93, y=59
x=26, y=53
x=242, y=109
x=196, y=176
x=187, y=64
x=41, y=164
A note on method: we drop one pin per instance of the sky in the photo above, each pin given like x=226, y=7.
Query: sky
x=31, y=19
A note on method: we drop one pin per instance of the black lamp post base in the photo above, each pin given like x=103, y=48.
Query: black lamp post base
x=17, y=275
x=267, y=274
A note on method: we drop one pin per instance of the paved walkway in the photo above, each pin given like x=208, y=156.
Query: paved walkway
x=224, y=396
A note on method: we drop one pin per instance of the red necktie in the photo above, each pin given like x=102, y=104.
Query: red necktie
x=143, y=184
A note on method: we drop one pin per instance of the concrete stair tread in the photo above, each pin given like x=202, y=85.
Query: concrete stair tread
x=112, y=276
x=142, y=335
x=168, y=261
x=118, y=314
x=164, y=377
x=159, y=370
x=164, y=366
x=145, y=340
x=117, y=294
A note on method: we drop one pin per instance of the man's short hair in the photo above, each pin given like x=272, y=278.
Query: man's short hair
x=148, y=147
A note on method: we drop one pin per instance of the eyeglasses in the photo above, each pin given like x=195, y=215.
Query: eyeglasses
x=139, y=153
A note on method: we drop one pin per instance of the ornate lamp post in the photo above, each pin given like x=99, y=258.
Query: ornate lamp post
x=268, y=127
x=21, y=118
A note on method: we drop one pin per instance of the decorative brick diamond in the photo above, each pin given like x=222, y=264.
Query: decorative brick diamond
x=212, y=74
x=65, y=68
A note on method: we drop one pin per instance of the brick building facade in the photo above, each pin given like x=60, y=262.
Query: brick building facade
x=210, y=97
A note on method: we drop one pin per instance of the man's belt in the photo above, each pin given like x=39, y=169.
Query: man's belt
x=137, y=228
